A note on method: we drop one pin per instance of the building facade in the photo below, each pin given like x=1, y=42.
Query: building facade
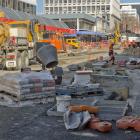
x=28, y=6
x=75, y=21
x=107, y=10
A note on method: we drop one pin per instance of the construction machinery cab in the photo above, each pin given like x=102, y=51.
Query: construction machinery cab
x=72, y=42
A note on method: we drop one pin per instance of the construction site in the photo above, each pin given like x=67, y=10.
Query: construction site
x=57, y=83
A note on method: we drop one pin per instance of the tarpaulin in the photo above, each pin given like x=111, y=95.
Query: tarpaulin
x=56, y=29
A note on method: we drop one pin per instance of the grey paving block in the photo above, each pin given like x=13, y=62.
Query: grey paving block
x=111, y=110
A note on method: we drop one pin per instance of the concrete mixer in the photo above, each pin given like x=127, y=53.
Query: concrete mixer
x=17, y=45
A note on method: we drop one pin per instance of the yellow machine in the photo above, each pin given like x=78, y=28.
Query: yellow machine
x=117, y=35
x=72, y=42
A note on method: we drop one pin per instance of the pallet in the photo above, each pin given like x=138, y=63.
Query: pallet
x=11, y=102
x=28, y=96
x=81, y=91
x=15, y=95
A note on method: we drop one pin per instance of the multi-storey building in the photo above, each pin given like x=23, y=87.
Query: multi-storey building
x=28, y=6
x=135, y=4
x=108, y=9
x=130, y=11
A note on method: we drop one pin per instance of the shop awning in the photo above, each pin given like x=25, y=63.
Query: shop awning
x=89, y=33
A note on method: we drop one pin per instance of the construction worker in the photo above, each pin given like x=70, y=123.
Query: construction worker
x=58, y=73
x=111, y=54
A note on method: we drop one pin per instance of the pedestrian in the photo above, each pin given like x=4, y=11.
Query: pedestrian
x=58, y=73
x=111, y=54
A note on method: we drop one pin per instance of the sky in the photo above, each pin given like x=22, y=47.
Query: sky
x=129, y=1
x=40, y=4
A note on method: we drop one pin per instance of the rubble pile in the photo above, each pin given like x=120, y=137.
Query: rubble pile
x=133, y=63
x=132, y=51
x=129, y=122
x=102, y=126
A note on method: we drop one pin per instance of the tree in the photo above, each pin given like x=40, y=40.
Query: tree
x=129, y=23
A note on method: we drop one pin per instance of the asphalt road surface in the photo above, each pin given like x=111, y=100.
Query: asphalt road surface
x=32, y=123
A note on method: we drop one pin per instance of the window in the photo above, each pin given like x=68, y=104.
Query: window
x=74, y=9
x=93, y=9
x=107, y=1
x=84, y=8
x=74, y=2
x=103, y=1
x=79, y=8
x=60, y=10
x=98, y=1
x=108, y=8
x=56, y=9
x=69, y=9
x=79, y=2
x=103, y=8
x=83, y=2
x=88, y=1
x=51, y=9
x=88, y=9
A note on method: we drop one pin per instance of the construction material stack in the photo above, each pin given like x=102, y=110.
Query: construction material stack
x=32, y=86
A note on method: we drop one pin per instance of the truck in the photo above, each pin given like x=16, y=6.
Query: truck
x=17, y=41
x=55, y=38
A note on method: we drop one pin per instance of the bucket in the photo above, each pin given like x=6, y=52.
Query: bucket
x=47, y=54
x=63, y=102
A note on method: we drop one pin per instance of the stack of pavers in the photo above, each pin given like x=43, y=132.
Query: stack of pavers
x=111, y=110
x=27, y=86
x=136, y=107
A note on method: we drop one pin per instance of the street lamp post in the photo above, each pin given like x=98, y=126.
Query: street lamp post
x=104, y=17
x=97, y=18
x=96, y=32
